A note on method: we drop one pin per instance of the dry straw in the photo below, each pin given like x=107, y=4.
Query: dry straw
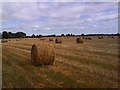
x=58, y=40
x=42, y=54
x=78, y=40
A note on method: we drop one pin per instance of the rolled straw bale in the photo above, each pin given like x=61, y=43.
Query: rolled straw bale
x=50, y=39
x=4, y=40
x=112, y=37
x=89, y=38
x=42, y=54
x=17, y=39
x=42, y=39
x=99, y=37
x=78, y=40
x=58, y=40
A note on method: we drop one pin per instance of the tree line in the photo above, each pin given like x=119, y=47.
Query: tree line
x=7, y=35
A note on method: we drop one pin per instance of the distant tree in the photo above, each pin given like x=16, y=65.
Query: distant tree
x=62, y=35
x=10, y=34
x=0, y=35
x=82, y=34
x=20, y=35
x=33, y=36
x=67, y=34
x=5, y=35
x=40, y=35
x=118, y=34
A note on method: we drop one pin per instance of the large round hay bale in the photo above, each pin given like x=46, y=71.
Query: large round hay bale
x=99, y=37
x=58, y=40
x=50, y=39
x=78, y=40
x=17, y=40
x=112, y=37
x=89, y=38
x=4, y=40
x=42, y=54
x=42, y=38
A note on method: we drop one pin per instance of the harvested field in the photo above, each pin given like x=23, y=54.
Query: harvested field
x=93, y=64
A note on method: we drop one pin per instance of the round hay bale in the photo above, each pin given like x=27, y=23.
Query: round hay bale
x=85, y=38
x=42, y=54
x=112, y=37
x=17, y=39
x=78, y=40
x=89, y=38
x=99, y=37
x=58, y=40
x=42, y=39
x=4, y=41
x=50, y=39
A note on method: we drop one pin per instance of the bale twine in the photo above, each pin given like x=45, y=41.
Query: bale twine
x=78, y=40
x=42, y=54
x=4, y=40
x=58, y=40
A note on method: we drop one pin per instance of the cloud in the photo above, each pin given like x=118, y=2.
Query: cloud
x=57, y=17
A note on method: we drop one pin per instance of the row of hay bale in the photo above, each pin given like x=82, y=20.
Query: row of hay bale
x=4, y=40
x=7, y=40
x=89, y=38
x=83, y=37
x=45, y=54
x=78, y=40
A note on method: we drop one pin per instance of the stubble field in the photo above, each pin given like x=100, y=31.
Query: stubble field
x=93, y=64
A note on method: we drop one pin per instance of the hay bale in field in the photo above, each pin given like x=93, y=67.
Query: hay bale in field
x=20, y=38
x=58, y=40
x=112, y=37
x=78, y=40
x=17, y=39
x=42, y=39
x=9, y=40
x=85, y=38
x=42, y=54
x=50, y=39
x=99, y=37
x=89, y=38
x=4, y=40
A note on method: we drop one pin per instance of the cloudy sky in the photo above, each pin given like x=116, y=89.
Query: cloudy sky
x=60, y=17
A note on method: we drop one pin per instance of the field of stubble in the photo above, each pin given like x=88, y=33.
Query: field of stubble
x=93, y=64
